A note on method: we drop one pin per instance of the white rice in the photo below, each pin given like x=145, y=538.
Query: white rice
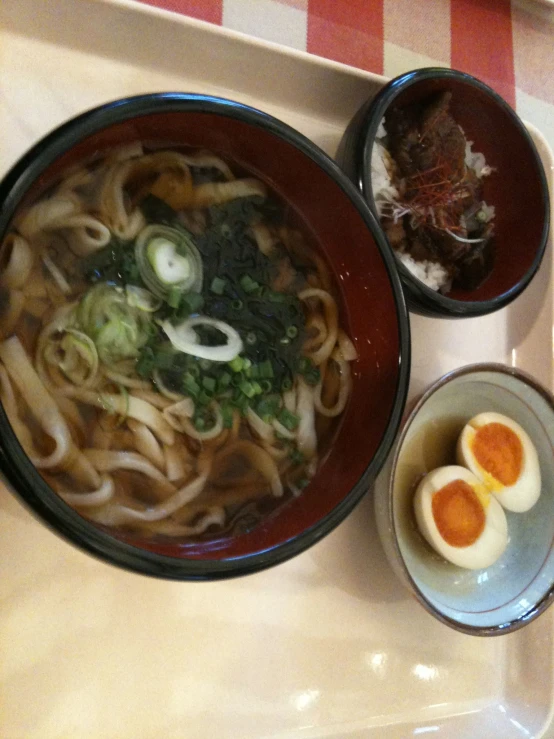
x=381, y=164
x=432, y=274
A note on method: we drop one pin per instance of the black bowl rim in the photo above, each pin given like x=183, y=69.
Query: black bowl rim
x=443, y=305
x=15, y=466
x=548, y=598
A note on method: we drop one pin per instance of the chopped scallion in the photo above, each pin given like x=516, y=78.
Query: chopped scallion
x=236, y=364
x=289, y=420
x=208, y=383
x=227, y=415
x=224, y=381
x=266, y=370
x=292, y=332
x=194, y=301
x=248, y=284
x=204, y=397
x=174, y=297
x=218, y=286
x=296, y=456
x=190, y=386
x=247, y=388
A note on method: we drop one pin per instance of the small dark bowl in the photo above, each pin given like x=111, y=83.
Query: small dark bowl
x=373, y=309
x=518, y=188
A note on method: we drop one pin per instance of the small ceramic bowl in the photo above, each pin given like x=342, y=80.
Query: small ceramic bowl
x=517, y=188
x=520, y=585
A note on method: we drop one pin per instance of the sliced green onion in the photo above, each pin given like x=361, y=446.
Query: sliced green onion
x=285, y=340
x=118, y=330
x=224, y=381
x=266, y=386
x=227, y=415
x=268, y=406
x=237, y=379
x=190, y=386
x=166, y=258
x=208, y=383
x=218, y=286
x=237, y=304
x=194, y=370
x=286, y=384
x=163, y=357
x=174, y=297
x=243, y=403
x=266, y=370
x=251, y=338
x=236, y=364
x=248, y=284
x=289, y=420
x=199, y=423
x=292, y=332
x=247, y=388
x=276, y=297
x=296, y=456
x=204, y=397
x=481, y=216
x=145, y=363
x=193, y=301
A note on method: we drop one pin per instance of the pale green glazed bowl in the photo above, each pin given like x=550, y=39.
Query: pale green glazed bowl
x=520, y=585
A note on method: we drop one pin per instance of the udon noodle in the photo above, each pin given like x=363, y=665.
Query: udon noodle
x=170, y=343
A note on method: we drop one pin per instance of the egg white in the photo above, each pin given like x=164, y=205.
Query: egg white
x=493, y=540
x=524, y=493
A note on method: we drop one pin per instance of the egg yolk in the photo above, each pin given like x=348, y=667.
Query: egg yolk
x=499, y=451
x=458, y=513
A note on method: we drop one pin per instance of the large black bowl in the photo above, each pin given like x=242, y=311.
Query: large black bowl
x=373, y=309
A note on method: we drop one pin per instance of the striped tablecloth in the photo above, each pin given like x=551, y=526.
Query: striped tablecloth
x=509, y=45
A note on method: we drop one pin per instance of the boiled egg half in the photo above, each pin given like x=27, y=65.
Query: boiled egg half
x=503, y=457
x=459, y=518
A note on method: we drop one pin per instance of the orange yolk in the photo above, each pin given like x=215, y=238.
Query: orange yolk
x=499, y=452
x=458, y=514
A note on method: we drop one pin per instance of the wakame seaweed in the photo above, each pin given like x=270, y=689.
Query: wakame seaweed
x=114, y=263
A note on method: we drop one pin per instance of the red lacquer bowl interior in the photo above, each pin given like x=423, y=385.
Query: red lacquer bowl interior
x=368, y=304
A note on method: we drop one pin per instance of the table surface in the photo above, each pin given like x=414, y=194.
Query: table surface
x=509, y=45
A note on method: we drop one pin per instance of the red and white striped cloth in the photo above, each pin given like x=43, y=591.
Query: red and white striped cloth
x=509, y=45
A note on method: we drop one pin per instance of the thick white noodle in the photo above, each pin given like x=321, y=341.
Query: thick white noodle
x=318, y=356
x=98, y=497
x=19, y=261
x=306, y=438
x=146, y=443
x=49, y=214
x=118, y=514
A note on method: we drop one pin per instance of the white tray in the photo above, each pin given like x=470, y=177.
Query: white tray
x=327, y=645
